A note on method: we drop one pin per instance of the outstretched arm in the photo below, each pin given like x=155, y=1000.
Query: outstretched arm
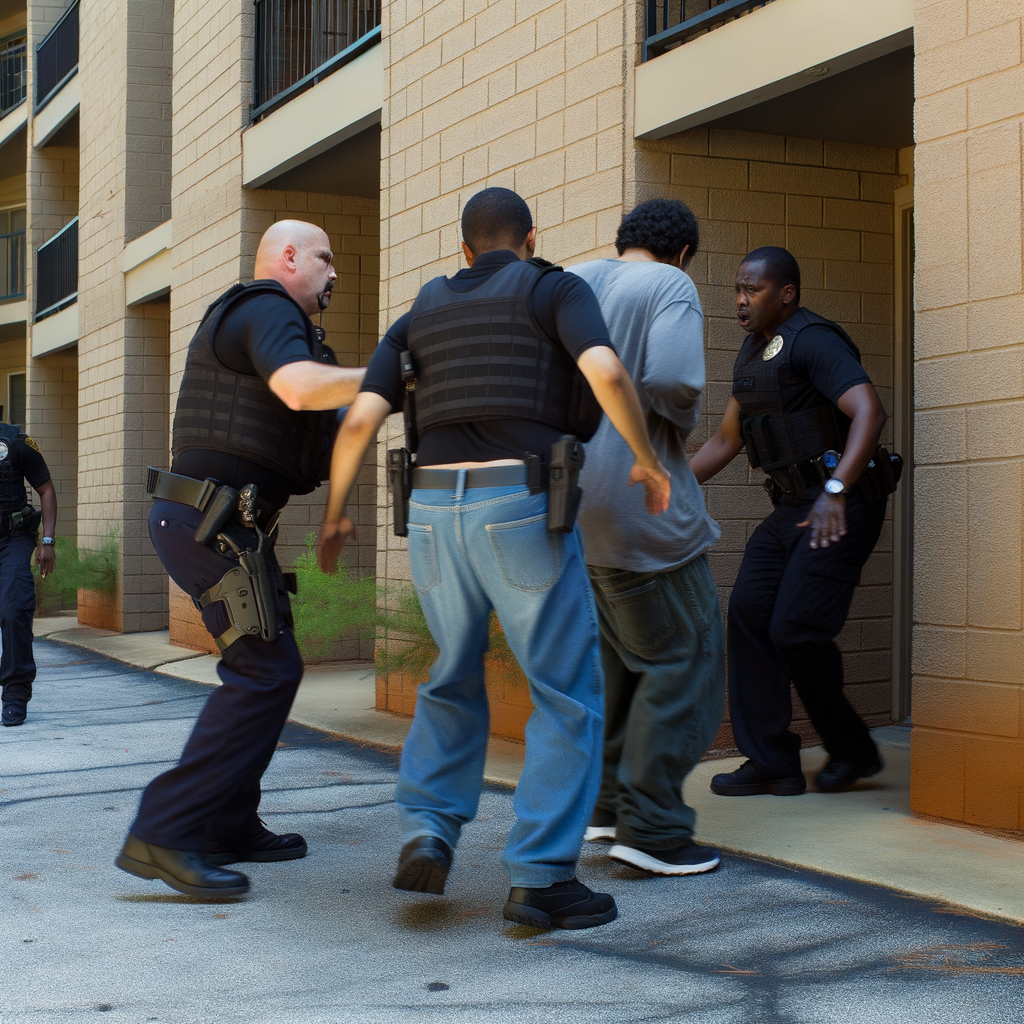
x=718, y=451
x=362, y=421
x=307, y=385
x=614, y=390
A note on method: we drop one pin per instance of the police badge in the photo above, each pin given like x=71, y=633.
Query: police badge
x=773, y=348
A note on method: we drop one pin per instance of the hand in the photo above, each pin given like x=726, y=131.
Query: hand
x=332, y=539
x=827, y=520
x=46, y=559
x=656, y=482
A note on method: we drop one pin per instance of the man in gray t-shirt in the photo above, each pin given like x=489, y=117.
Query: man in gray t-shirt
x=662, y=640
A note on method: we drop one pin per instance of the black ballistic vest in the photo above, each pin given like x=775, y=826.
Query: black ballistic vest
x=221, y=410
x=776, y=434
x=12, y=480
x=481, y=355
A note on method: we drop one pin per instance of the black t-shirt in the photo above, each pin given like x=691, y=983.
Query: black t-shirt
x=566, y=310
x=28, y=461
x=257, y=336
x=828, y=364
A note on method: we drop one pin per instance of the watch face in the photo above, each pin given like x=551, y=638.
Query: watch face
x=834, y=487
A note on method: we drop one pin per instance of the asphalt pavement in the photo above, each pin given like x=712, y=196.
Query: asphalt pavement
x=326, y=939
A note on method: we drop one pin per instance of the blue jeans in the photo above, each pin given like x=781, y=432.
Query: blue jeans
x=472, y=551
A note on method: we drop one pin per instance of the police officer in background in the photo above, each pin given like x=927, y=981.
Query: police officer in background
x=809, y=416
x=254, y=424
x=494, y=357
x=21, y=460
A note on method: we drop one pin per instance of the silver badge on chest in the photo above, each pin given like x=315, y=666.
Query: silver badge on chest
x=4, y=450
x=773, y=348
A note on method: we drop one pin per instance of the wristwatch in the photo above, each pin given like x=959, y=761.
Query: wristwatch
x=46, y=542
x=835, y=487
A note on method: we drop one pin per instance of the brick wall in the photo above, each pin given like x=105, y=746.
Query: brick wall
x=968, y=705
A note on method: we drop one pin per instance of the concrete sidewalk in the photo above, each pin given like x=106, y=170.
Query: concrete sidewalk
x=868, y=834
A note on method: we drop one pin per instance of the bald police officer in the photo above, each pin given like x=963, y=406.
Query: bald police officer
x=21, y=460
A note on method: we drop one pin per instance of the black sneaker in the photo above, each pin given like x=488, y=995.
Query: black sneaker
x=562, y=905
x=423, y=865
x=13, y=714
x=262, y=848
x=689, y=859
x=750, y=779
x=839, y=774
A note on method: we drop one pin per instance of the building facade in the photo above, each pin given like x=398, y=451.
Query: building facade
x=145, y=145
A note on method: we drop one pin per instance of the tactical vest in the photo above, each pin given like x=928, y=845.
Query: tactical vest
x=221, y=410
x=12, y=480
x=481, y=355
x=776, y=435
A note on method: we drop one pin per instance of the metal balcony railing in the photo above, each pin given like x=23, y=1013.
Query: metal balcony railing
x=13, y=75
x=298, y=42
x=12, y=265
x=57, y=271
x=669, y=23
x=57, y=57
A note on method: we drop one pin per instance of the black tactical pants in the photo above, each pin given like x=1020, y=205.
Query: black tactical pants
x=788, y=604
x=17, y=608
x=211, y=796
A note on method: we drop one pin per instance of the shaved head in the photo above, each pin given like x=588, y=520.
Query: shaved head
x=298, y=255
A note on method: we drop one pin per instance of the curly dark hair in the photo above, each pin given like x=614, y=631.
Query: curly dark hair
x=664, y=227
x=778, y=265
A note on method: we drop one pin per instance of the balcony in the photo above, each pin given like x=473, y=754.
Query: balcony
x=779, y=66
x=12, y=264
x=301, y=42
x=57, y=272
x=670, y=23
x=57, y=57
x=13, y=75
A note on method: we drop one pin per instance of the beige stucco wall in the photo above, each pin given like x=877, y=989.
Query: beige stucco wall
x=968, y=705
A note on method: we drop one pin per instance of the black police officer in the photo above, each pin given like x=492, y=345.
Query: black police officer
x=247, y=435
x=799, y=392
x=21, y=460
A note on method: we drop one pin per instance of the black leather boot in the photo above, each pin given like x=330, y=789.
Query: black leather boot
x=423, y=865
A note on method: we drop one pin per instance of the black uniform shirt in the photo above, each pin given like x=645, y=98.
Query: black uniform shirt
x=256, y=337
x=24, y=457
x=825, y=361
x=566, y=310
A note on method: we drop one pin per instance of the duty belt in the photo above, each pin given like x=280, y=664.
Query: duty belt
x=188, y=491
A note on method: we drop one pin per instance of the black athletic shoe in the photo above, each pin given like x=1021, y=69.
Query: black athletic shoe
x=689, y=859
x=750, y=779
x=423, y=865
x=562, y=905
x=262, y=848
x=839, y=774
x=13, y=714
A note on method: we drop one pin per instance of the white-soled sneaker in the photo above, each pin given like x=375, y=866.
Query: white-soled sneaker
x=689, y=859
x=599, y=834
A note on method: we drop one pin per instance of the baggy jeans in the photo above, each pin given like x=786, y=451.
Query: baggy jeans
x=663, y=647
x=488, y=548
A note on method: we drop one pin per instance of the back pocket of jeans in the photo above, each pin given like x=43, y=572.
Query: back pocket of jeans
x=529, y=557
x=423, y=557
x=643, y=619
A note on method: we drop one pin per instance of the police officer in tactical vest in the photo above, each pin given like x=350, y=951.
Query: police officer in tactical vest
x=810, y=419
x=491, y=367
x=254, y=424
x=21, y=460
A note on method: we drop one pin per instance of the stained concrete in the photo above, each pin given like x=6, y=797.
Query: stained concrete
x=326, y=940
x=868, y=833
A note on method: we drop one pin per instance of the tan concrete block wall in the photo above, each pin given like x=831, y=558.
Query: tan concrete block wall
x=51, y=190
x=968, y=740
x=831, y=205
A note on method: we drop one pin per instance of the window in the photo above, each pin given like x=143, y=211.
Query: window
x=16, y=398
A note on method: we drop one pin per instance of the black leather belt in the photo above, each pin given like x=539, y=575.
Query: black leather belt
x=483, y=476
x=188, y=491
